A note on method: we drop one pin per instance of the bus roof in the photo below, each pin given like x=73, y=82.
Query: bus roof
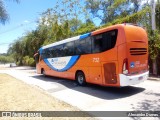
x=61, y=42
x=124, y=25
x=107, y=28
x=67, y=40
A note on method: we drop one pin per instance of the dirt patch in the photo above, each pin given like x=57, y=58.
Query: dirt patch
x=19, y=96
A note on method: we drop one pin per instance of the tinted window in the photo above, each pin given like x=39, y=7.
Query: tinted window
x=83, y=46
x=68, y=49
x=104, y=41
x=94, y=44
x=45, y=53
x=51, y=52
x=58, y=51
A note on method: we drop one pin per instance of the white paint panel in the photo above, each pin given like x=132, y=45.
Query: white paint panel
x=132, y=80
x=59, y=63
x=61, y=42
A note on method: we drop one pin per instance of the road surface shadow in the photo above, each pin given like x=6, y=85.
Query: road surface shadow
x=149, y=104
x=94, y=90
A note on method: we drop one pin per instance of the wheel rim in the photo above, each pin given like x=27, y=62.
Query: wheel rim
x=80, y=79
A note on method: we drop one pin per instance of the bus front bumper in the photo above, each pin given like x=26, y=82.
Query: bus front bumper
x=132, y=80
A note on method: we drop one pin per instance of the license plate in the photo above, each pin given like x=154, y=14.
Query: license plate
x=140, y=78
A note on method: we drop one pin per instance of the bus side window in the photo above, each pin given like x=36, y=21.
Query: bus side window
x=68, y=49
x=45, y=54
x=42, y=55
x=104, y=41
x=51, y=52
x=83, y=46
x=109, y=40
x=97, y=43
x=57, y=51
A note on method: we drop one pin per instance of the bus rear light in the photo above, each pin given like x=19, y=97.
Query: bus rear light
x=125, y=66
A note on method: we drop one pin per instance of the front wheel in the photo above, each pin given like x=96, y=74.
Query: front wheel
x=80, y=78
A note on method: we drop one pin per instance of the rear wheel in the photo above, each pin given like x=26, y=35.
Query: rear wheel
x=43, y=72
x=80, y=78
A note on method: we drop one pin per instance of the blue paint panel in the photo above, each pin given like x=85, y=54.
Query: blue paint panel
x=49, y=65
x=72, y=61
x=40, y=50
x=85, y=35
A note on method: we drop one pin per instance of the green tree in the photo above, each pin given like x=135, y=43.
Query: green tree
x=109, y=10
x=3, y=13
x=158, y=15
x=63, y=20
x=6, y=59
x=85, y=27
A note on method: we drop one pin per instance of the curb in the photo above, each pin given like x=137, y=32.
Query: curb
x=154, y=78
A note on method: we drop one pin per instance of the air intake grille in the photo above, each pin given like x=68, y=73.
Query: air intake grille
x=138, y=51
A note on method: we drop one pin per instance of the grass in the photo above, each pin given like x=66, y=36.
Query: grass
x=19, y=96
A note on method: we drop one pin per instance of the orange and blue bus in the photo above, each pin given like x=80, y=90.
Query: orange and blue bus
x=113, y=56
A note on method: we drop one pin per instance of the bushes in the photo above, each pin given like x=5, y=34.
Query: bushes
x=31, y=62
x=6, y=59
x=28, y=61
x=25, y=60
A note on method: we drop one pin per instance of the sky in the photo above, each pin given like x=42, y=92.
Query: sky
x=22, y=18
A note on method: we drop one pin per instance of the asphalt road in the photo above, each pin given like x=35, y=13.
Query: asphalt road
x=141, y=97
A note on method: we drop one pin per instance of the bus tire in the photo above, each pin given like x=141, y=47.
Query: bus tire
x=80, y=78
x=43, y=72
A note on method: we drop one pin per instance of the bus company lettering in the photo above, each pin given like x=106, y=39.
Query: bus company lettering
x=58, y=62
x=138, y=64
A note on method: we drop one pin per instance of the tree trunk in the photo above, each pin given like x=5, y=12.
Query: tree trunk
x=155, y=67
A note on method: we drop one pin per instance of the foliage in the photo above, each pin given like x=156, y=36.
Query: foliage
x=154, y=44
x=133, y=18
x=6, y=59
x=63, y=20
x=25, y=60
x=55, y=24
x=3, y=13
x=70, y=18
x=31, y=62
x=109, y=10
x=28, y=61
x=158, y=15
x=85, y=27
